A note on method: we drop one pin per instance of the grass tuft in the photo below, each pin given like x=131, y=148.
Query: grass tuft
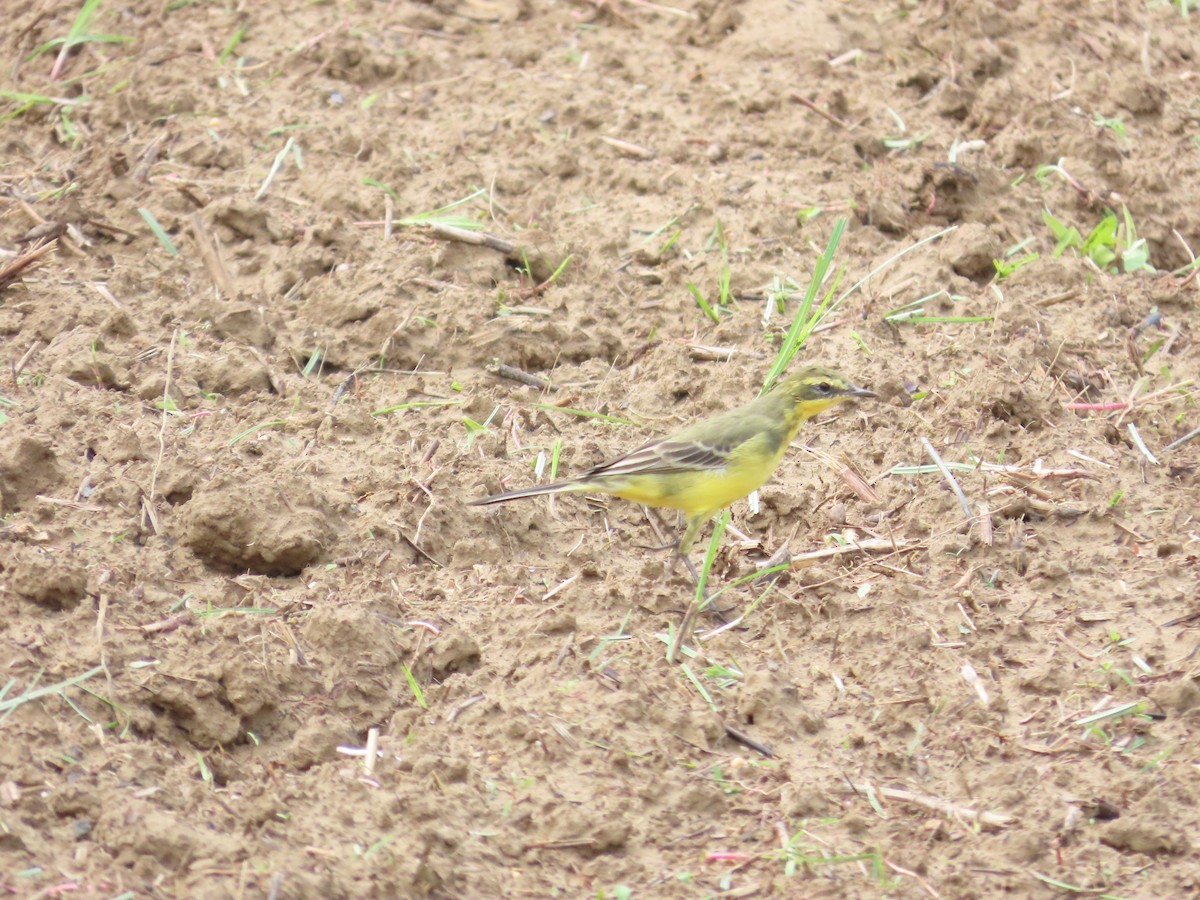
x=79, y=33
x=808, y=316
x=33, y=692
x=439, y=216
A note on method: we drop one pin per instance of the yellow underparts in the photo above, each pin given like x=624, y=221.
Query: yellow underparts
x=703, y=492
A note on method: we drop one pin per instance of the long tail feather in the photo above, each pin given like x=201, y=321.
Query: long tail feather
x=561, y=487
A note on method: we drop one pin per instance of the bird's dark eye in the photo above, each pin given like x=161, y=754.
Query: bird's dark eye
x=823, y=388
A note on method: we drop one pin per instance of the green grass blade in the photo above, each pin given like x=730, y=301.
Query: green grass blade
x=415, y=686
x=415, y=404
x=806, y=319
x=584, y=414
x=242, y=435
x=7, y=706
x=700, y=688
x=714, y=544
x=158, y=231
x=704, y=305
x=440, y=216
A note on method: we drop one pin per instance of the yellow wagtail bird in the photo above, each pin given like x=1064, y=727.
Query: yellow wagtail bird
x=711, y=463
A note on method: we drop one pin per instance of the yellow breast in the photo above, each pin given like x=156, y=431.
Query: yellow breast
x=703, y=491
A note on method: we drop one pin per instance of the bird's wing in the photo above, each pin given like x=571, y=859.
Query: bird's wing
x=667, y=456
x=705, y=446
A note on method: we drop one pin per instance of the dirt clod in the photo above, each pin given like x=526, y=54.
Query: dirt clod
x=28, y=467
x=263, y=527
x=1150, y=838
x=53, y=580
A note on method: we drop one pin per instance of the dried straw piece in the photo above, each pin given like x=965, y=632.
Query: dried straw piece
x=984, y=817
x=14, y=270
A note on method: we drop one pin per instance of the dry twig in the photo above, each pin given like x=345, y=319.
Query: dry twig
x=827, y=116
x=985, y=818
x=15, y=269
x=512, y=373
x=626, y=148
x=871, y=545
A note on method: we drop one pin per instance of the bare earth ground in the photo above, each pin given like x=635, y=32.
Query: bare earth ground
x=209, y=526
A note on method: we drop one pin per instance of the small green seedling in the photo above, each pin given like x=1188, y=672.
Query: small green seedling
x=1012, y=261
x=78, y=35
x=441, y=215
x=914, y=312
x=1115, y=124
x=1110, y=242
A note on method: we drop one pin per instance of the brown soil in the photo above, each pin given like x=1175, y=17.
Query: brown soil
x=249, y=561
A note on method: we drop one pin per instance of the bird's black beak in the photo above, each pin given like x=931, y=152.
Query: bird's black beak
x=855, y=391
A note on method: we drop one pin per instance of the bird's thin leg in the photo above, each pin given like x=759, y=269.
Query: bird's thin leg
x=659, y=527
x=686, y=629
x=657, y=548
x=656, y=523
x=685, y=542
x=676, y=545
x=691, y=566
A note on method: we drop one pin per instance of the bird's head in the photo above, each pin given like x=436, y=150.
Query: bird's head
x=812, y=389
